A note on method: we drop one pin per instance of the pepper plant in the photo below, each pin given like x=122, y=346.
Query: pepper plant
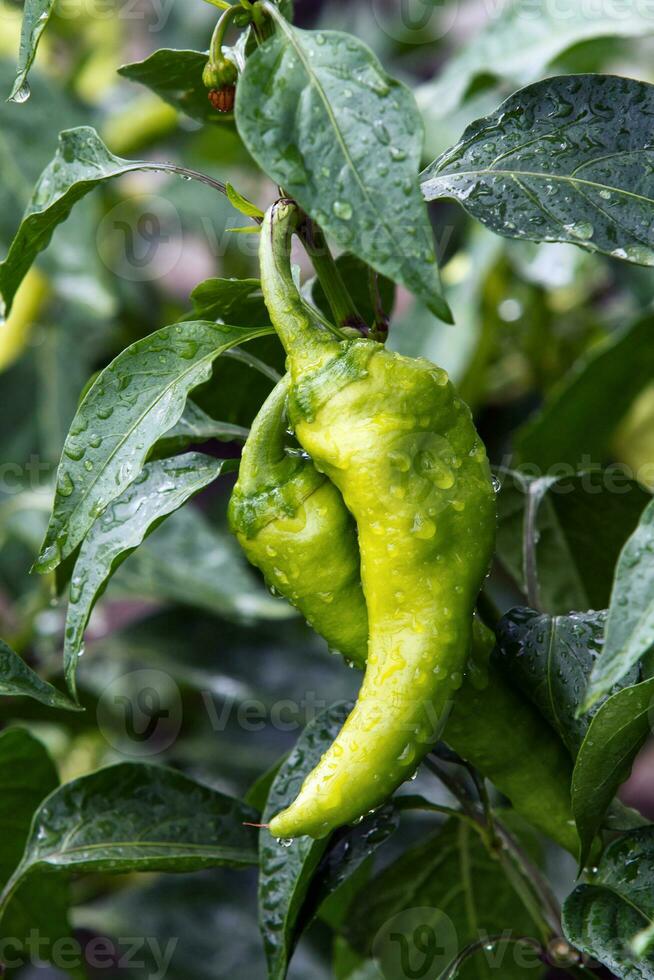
x=445, y=238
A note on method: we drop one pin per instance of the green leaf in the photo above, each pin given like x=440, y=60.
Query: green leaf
x=19, y=680
x=630, y=623
x=242, y=204
x=550, y=658
x=190, y=561
x=81, y=163
x=601, y=917
x=36, y=14
x=161, y=488
x=322, y=119
x=193, y=427
x=583, y=410
x=237, y=301
x=560, y=538
x=356, y=275
x=285, y=872
x=567, y=159
x=136, y=817
x=176, y=77
x=133, y=402
x=615, y=735
x=520, y=41
x=434, y=900
x=27, y=775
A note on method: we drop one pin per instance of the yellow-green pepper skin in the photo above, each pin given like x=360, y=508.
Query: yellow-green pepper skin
x=401, y=447
x=292, y=524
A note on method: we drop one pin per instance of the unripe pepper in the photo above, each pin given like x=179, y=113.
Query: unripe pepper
x=293, y=525
x=401, y=447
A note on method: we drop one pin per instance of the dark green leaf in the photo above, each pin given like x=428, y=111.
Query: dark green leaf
x=176, y=77
x=567, y=159
x=133, y=402
x=161, y=488
x=190, y=561
x=356, y=275
x=337, y=875
x=630, y=623
x=585, y=407
x=320, y=116
x=601, y=917
x=518, y=43
x=19, y=680
x=550, y=658
x=237, y=301
x=616, y=733
x=194, y=427
x=27, y=775
x=560, y=538
x=286, y=869
x=36, y=15
x=136, y=817
x=436, y=899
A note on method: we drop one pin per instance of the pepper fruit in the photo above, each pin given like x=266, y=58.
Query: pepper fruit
x=293, y=525
x=391, y=434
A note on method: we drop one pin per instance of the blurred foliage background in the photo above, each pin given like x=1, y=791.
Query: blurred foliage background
x=185, y=606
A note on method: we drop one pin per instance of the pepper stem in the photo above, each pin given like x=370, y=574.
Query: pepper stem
x=218, y=36
x=307, y=345
x=341, y=303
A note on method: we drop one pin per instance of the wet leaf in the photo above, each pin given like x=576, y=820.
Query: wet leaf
x=550, y=659
x=136, y=817
x=19, y=680
x=321, y=117
x=286, y=869
x=630, y=623
x=132, y=403
x=36, y=14
x=567, y=159
x=617, y=732
x=161, y=488
x=81, y=163
x=602, y=916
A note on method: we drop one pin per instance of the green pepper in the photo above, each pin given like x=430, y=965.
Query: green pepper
x=293, y=525
x=394, y=438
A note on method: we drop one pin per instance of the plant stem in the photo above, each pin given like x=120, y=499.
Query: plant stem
x=216, y=45
x=342, y=305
